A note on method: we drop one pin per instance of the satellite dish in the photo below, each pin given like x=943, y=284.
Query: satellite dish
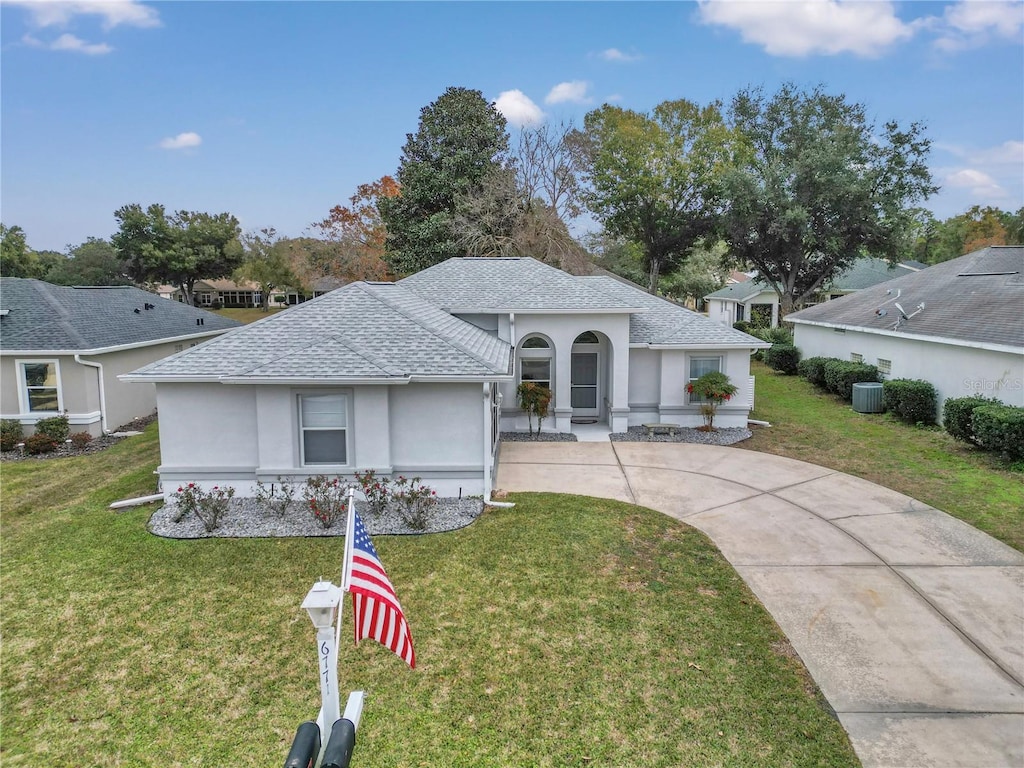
x=903, y=312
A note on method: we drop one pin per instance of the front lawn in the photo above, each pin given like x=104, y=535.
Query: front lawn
x=924, y=463
x=564, y=631
x=248, y=314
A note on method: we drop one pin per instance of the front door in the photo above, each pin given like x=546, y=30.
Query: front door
x=584, y=384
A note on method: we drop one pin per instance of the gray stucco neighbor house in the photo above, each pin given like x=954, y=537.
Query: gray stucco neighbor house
x=961, y=326
x=419, y=377
x=62, y=349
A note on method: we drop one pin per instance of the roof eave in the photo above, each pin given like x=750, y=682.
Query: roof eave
x=753, y=344
x=116, y=348
x=934, y=339
x=535, y=311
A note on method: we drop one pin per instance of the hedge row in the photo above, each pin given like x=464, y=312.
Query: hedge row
x=986, y=423
x=911, y=400
x=840, y=376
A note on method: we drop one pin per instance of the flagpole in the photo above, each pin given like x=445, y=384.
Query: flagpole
x=346, y=561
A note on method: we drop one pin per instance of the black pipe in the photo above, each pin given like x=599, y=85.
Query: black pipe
x=340, y=745
x=305, y=748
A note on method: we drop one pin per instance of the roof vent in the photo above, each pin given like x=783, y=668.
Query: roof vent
x=200, y=321
x=148, y=306
x=137, y=311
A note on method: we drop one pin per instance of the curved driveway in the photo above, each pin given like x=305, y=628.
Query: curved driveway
x=910, y=621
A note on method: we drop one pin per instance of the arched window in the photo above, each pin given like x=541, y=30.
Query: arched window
x=587, y=337
x=535, y=361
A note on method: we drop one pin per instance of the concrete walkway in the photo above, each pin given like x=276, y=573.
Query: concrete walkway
x=910, y=621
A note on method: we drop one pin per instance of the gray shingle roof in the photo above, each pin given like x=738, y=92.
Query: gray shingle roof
x=512, y=284
x=41, y=316
x=977, y=298
x=363, y=330
x=663, y=322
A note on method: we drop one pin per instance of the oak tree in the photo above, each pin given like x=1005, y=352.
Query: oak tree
x=820, y=186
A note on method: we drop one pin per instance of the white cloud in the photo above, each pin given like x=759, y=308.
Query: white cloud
x=806, y=27
x=519, y=109
x=68, y=42
x=614, y=54
x=973, y=24
x=979, y=183
x=574, y=91
x=59, y=13
x=182, y=141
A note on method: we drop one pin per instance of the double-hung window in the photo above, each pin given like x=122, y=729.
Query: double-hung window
x=698, y=367
x=40, y=380
x=323, y=428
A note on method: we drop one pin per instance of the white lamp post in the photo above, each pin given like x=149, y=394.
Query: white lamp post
x=322, y=604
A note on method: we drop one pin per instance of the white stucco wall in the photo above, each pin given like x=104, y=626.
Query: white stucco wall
x=675, y=407
x=954, y=371
x=218, y=434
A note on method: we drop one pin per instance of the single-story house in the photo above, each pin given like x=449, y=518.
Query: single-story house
x=958, y=325
x=756, y=302
x=224, y=293
x=62, y=349
x=419, y=377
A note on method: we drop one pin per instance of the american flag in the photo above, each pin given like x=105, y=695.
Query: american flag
x=377, y=613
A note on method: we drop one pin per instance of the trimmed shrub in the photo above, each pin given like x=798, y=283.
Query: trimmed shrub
x=742, y=325
x=778, y=335
x=783, y=358
x=81, y=439
x=55, y=427
x=1000, y=429
x=957, y=413
x=40, y=443
x=840, y=376
x=911, y=400
x=813, y=369
x=10, y=434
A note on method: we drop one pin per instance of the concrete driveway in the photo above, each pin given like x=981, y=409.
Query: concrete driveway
x=910, y=621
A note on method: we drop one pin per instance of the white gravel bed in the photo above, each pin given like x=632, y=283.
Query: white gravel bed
x=726, y=436
x=247, y=518
x=543, y=437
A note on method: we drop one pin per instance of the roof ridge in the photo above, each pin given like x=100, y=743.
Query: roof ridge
x=63, y=315
x=429, y=326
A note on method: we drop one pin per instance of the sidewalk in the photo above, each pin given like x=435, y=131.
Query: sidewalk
x=910, y=621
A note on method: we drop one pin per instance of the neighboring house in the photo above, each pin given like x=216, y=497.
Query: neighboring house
x=961, y=326
x=419, y=377
x=223, y=293
x=62, y=349
x=756, y=302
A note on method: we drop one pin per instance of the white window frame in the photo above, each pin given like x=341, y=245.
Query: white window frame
x=347, y=397
x=23, y=399
x=546, y=353
x=693, y=399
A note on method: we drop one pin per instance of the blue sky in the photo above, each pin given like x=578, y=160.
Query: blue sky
x=276, y=111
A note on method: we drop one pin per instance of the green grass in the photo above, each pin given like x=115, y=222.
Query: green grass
x=563, y=632
x=247, y=315
x=924, y=463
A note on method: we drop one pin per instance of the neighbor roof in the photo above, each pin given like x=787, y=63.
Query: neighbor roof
x=515, y=284
x=39, y=316
x=360, y=331
x=664, y=323
x=863, y=273
x=976, y=299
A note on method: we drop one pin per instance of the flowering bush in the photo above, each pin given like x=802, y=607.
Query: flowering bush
x=415, y=501
x=209, y=506
x=81, y=439
x=377, y=491
x=713, y=389
x=277, y=497
x=327, y=498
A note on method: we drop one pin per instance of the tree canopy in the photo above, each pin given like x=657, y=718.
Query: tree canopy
x=651, y=178
x=94, y=262
x=178, y=249
x=357, y=232
x=819, y=186
x=264, y=262
x=460, y=139
x=16, y=258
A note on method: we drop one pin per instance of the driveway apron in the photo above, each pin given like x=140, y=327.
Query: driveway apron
x=910, y=621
